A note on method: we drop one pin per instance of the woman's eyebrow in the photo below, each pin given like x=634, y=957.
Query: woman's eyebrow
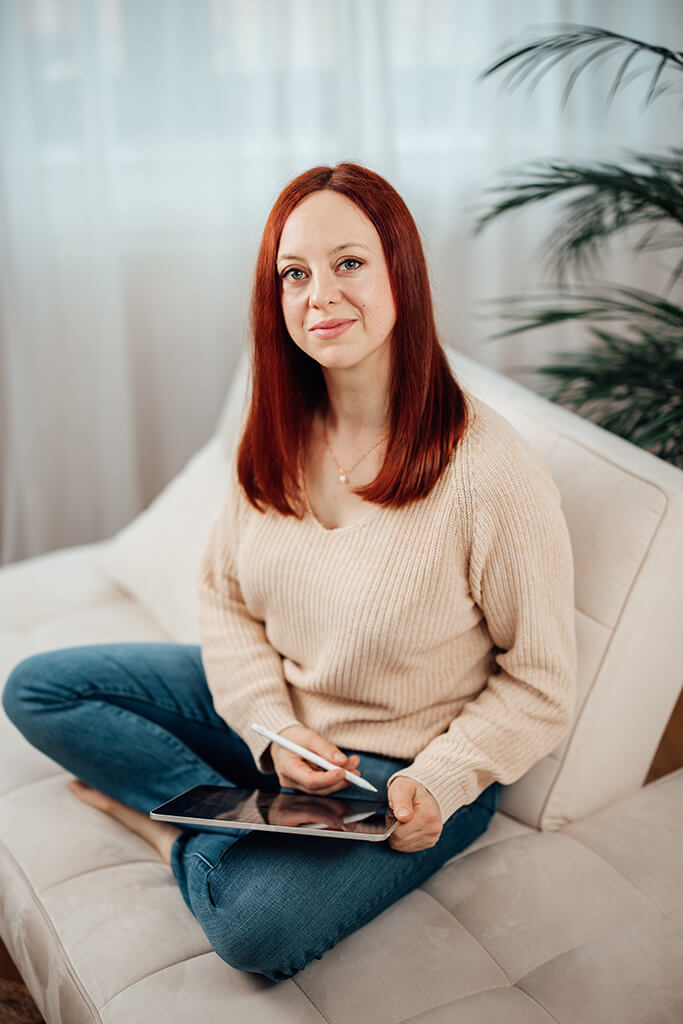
x=337, y=248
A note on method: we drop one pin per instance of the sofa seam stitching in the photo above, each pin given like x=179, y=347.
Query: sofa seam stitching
x=31, y=782
x=613, y=630
x=579, y=945
x=47, y=921
x=480, y=944
x=92, y=871
x=492, y=988
x=159, y=970
x=617, y=871
x=310, y=1001
x=564, y=435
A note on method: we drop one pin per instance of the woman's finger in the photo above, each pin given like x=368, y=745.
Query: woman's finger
x=410, y=841
x=320, y=782
x=331, y=785
x=295, y=772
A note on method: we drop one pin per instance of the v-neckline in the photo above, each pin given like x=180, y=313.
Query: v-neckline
x=373, y=509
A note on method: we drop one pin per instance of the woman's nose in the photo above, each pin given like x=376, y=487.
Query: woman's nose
x=324, y=289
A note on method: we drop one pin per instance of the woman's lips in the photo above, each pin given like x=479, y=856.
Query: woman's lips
x=337, y=327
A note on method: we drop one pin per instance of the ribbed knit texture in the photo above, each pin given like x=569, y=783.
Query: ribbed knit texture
x=441, y=632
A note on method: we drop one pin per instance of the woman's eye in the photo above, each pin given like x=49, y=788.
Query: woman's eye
x=292, y=274
x=351, y=259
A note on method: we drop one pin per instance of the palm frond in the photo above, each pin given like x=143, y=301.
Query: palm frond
x=653, y=315
x=611, y=197
x=674, y=276
x=628, y=386
x=541, y=54
x=630, y=380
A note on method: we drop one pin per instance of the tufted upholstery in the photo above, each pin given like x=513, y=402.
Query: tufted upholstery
x=570, y=907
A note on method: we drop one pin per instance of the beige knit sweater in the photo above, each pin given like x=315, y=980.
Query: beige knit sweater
x=441, y=632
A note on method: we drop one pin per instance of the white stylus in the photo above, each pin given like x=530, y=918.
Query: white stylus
x=310, y=756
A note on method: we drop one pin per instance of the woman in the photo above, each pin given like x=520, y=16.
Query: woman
x=389, y=583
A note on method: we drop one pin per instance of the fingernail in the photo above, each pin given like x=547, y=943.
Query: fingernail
x=339, y=758
x=402, y=811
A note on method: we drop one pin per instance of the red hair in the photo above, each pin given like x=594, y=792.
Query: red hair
x=427, y=407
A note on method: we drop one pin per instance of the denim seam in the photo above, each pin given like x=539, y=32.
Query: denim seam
x=162, y=705
x=126, y=670
x=209, y=873
x=123, y=668
x=172, y=741
x=202, y=857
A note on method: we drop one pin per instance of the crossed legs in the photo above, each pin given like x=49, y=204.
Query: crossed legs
x=135, y=724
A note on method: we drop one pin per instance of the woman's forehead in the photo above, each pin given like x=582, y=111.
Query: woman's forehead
x=325, y=221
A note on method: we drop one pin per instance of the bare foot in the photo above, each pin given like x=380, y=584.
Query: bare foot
x=158, y=834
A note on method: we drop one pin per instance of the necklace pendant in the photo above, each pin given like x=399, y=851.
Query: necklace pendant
x=343, y=478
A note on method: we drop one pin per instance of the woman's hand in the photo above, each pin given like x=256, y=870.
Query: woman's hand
x=418, y=813
x=295, y=773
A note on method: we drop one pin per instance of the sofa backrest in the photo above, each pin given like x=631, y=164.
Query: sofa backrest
x=624, y=509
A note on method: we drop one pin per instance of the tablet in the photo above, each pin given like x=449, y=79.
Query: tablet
x=224, y=807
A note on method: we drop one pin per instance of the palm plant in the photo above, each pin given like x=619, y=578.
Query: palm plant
x=630, y=377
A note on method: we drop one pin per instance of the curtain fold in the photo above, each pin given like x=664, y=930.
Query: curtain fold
x=141, y=146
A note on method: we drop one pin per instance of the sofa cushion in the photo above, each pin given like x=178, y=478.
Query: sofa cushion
x=520, y=920
x=36, y=590
x=228, y=427
x=52, y=601
x=156, y=558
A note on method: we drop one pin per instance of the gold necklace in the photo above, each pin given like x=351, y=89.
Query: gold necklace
x=344, y=474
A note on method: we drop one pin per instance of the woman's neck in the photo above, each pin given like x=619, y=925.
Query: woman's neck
x=357, y=408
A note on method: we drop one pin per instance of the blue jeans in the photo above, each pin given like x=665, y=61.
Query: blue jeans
x=137, y=722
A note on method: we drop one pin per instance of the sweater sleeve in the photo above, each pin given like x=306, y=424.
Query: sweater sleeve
x=243, y=670
x=521, y=577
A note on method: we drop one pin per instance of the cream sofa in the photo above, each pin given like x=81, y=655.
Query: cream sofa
x=569, y=909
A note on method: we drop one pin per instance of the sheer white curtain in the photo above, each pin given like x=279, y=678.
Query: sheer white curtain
x=142, y=145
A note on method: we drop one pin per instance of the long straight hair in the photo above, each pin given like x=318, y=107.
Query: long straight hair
x=427, y=411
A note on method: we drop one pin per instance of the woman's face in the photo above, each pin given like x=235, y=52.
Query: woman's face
x=335, y=291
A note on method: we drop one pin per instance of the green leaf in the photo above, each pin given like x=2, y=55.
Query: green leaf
x=601, y=200
x=541, y=54
x=630, y=380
